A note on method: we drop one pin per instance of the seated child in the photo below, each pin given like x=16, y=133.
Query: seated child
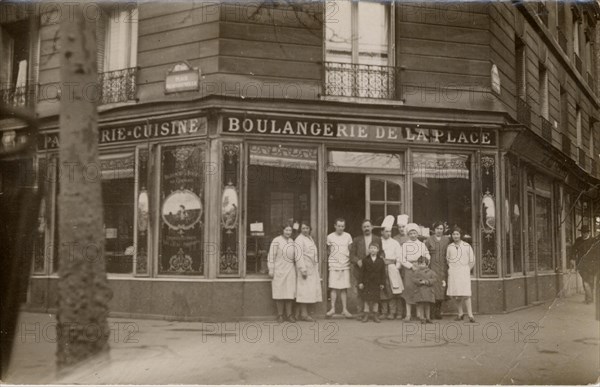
x=372, y=278
x=424, y=295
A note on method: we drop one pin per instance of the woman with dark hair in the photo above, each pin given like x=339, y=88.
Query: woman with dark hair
x=437, y=244
x=282, y=261
x=461, y=259
x=308, y=289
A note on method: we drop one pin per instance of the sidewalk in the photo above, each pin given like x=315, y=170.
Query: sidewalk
x=553, y=343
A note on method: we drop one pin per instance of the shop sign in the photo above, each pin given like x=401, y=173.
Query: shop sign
x=324, y=129
x=141, y=130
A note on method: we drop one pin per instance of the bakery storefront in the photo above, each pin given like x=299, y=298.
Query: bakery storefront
x=192, y=201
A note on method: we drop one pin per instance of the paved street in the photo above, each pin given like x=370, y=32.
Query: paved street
x=556, y=343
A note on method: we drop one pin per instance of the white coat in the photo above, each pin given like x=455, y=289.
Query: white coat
x=461, y=260
x=282, y=261
x=308, y=290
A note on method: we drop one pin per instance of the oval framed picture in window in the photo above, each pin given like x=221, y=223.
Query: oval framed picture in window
x=181, y=210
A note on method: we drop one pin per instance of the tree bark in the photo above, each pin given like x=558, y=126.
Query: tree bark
x=83, y=292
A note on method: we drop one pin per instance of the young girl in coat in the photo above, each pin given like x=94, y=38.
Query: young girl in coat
x=372, y=281
x=424, y=295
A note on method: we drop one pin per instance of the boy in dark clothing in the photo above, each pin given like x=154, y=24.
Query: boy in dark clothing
x=372, y=281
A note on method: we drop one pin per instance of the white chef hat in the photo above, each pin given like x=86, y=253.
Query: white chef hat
x=402, y=220
x=413, y=226
x=388, y=222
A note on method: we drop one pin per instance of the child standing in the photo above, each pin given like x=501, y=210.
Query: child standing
x=424, y=295
x=372, y=281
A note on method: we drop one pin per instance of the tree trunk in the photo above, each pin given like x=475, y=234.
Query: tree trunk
x=83, y=292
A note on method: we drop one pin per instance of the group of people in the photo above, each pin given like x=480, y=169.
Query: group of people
x=390, y=276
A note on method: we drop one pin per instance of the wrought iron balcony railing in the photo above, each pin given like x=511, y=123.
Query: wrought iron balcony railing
x=15, y=96
x=523, y=112
x=562, y=40
x=578, y=63
x=566, y=144
x=546, y=129
x=118, y=85
x=361, y=80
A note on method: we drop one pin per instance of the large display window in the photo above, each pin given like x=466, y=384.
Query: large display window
x=441, y=190
x=181, y=210
x=281, y=189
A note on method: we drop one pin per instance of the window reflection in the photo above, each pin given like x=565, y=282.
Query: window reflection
x=442, y=190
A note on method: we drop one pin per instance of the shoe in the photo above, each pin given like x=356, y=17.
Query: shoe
x=437, y=316
x=365, y=317
x=360, y=316
x=423, y=321
x=376, y=318
x=471, y=319
x=291, y=318
x=347, y=314
x=330, y=313
x=407, y=318
x=428, y=321
x=280, y=319
x=459, y=317
x=390, y=316
x=307, y=318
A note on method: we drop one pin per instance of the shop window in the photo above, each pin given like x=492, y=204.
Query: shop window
x=442, y=190
x=515, y=209
x=531, y=256
x=143, y=213
x=182, y=225
x=230, y=216
x=281, y=189
x=539, y=223
x=568, y=216
x=118, y=203
x=384, y=197
x=42, y=249
x=543, y=225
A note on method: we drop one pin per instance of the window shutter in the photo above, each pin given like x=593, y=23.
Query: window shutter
x=101, y=39
x=520, y=69
x=34, y=54
x=6, y=58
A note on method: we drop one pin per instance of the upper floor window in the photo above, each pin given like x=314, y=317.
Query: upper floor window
x=543, y=91
x=576, y=40
x=18, y=57
x=359, y=50
x=116, y=42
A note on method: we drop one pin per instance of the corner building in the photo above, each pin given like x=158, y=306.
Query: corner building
x=220, y=121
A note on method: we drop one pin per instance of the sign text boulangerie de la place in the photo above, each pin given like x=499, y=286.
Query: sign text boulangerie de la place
x=404, y=133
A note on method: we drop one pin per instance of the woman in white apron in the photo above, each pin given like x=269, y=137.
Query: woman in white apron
x=461, y=259
x=308, y=289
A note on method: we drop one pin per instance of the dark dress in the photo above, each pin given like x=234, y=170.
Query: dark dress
x=437, y=250
x=372, y=276
x=423, y=292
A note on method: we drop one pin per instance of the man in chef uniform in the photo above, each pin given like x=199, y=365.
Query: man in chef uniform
x=392, y=254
